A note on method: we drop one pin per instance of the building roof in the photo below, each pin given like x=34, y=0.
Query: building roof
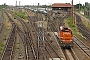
x=61, y=5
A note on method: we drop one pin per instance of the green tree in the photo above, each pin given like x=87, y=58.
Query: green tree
x=4, y=5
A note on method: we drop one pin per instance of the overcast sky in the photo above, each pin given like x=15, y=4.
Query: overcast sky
x=42, y=2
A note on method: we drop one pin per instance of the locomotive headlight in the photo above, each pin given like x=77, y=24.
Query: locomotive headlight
x=64, y=45
x=70, y=45
x=61, y=41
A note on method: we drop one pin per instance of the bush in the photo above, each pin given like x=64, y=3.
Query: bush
x=73, y=25
x=21, y=14
x=4, y=38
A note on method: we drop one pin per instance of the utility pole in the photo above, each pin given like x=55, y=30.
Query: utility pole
x=19, y=5
x=37, y=9
x=47, y=17
x=79, y=6
x=72, y=12
x=16, y=6
x=89, y=14
x=38, y=34
x=16, y=3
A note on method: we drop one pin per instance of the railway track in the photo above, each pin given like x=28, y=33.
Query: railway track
x=30, y=52
x=20, y=32
x=30, y=48
x=27, y=39
x=56, y=55
x=1, y=27
x=86, y=35
x=9, y=47
x=20, y=20
x=1, y=22
x=83, y=46
x=36, y=33
x=34, y=28
x=69, y=54
x=43, y=46
x=7, y=52
x=85, y=32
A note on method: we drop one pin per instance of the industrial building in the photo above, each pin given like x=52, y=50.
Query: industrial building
x=62, y=8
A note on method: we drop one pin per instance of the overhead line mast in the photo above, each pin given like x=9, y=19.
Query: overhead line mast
x=72, y=12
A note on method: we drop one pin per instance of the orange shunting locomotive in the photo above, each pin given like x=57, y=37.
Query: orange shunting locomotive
x=66, y=37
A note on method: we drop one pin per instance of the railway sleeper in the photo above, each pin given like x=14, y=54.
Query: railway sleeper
x=11, y=38
x=84, y=48
x=10, y=44
x=9, y=49
x=8, y=53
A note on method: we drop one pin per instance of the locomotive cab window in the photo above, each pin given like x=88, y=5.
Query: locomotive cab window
x=65, y=30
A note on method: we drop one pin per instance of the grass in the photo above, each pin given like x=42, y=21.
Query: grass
x=7, y=28
x=17, y=42
x=1, y=44
x=0, y=49
x=86, y=16
x=76, y=10
x=73, y=28
x=86, y=23
x=0, y=11
x=21, y=14
x=18, y=24
x=17, y=48
x=5, y=34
